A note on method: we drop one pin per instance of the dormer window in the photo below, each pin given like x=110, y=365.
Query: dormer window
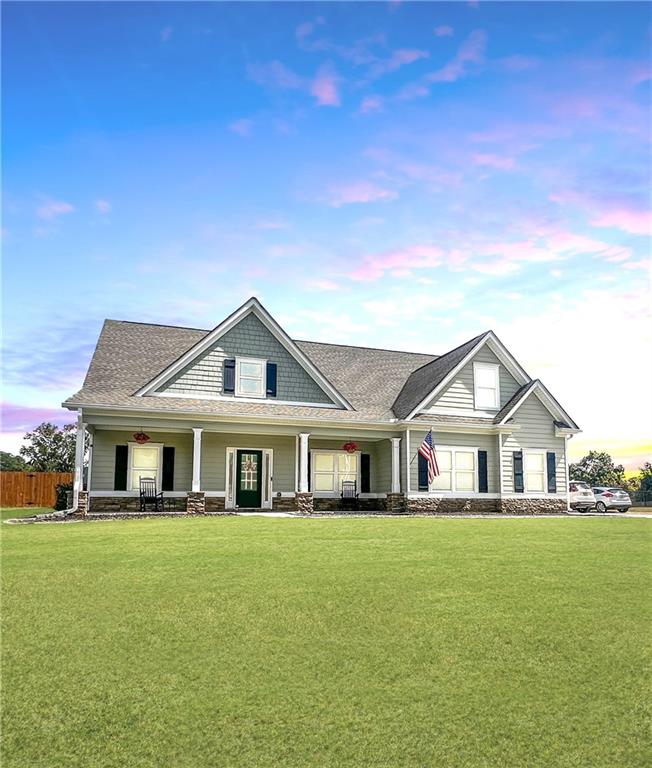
x=250, y=377
x=486, y=386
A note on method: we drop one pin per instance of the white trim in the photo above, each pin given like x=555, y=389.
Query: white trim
x=135, y=494
x=296, y=463
x=252, y=306
x=130, y=463
x=566, y=471
x=230, y=399
x=501, y=352
x=501, y=471
x=263, y=379
x=407, y=461
x=78, y=481
x=396, y=464
x=495, y=367
x=196, y=459
x=441, y=410
x=303, y=462
x=536, y=452
x=336, y=474
x=461, y=449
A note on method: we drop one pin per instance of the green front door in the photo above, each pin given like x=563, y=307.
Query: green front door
x=249, y=473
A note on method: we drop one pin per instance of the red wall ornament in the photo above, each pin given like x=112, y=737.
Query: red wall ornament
x=141, y=438
x=350, y=447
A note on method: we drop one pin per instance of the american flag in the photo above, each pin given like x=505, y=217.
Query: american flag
x=427, y=450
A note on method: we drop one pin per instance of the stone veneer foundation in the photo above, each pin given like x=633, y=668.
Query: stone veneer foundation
x=479, y=506
x=514, y=506
x=82, y=504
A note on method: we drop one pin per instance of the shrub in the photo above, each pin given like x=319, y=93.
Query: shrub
x=63, y=492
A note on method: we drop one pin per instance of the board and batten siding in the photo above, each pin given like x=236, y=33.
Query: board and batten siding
x=459, y=393
x=213, y=458
x=105, y=441
x=537, y=431
x=249, y=338
x=488, y=443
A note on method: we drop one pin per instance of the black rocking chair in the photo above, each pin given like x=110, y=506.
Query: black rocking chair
x=149, y=495
x=349, y=496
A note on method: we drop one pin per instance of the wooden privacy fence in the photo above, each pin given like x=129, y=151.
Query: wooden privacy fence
x=31, y=489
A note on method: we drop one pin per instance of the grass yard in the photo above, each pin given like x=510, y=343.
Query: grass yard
x=291, y=642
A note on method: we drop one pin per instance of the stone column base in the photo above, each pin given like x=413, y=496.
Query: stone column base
x=395, y=503
x=304, y=503
x=196, y=503
x=82, y=504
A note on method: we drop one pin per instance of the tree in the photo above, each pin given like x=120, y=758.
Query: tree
x=598, y=468
x=50, y=449
x=645, y=478
x=9, y=462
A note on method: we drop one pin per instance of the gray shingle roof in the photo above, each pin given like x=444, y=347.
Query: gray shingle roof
x=423, y=380
x=513, y=400
x=128, y=355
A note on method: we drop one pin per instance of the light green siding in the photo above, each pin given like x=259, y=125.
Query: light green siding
x=105, y=441
x=537, y=431
x=486, y=443
x=249, y=338
x=380, y=466
x=213, y=458
x=459, y=393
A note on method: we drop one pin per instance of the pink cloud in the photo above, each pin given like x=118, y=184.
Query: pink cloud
x=398, y=261
x=19, y=418
x=471, y=51
x=634, y=222
x=494, y=161
x=103, y=206
x=398, y=59
x=324, y=87
x=242, y=127
x=274, y=74
x=53, y=208
x=444, y=31
x=359, y=192
x=371, y=104
x=324, y=285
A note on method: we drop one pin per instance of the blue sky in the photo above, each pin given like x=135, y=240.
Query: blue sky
x=403, y=175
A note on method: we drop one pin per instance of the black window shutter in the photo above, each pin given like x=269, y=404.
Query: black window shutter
x=120, y=475
x=309, y=473
x=518, y=472
x=483, y=479
x=271, y=379
x=365, y=473
x=552, y=472
x=423, y=472
x=168, y=468
x=229, y=376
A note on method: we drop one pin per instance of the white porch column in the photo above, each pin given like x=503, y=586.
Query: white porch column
x=303, y=462
x=500, y=463
x=196, y=459
x=78, y=481
x=396, y=464
x=407, y=461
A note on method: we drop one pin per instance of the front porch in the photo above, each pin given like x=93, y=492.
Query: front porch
x=225, y=469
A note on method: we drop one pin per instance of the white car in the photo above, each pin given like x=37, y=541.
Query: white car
x=612, y=499
x=581, y=496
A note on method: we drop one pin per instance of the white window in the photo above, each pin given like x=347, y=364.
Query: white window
x=250, y=375
x=457, y=470
x=330, y=470
x=486, y=385
x=144, y=461
x=535, y=471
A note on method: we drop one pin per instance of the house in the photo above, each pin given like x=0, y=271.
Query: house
x=244, y=417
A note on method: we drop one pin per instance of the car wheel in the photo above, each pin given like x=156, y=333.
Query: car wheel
x=601, y=506
x=625, y=509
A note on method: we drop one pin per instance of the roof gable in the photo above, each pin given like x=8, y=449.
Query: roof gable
x=252, y=306
x=536, y=387
x=425, y=383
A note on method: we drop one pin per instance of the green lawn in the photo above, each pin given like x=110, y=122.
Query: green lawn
x=291, y=642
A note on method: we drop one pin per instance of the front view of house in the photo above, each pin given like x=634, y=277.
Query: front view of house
x=244, y=417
